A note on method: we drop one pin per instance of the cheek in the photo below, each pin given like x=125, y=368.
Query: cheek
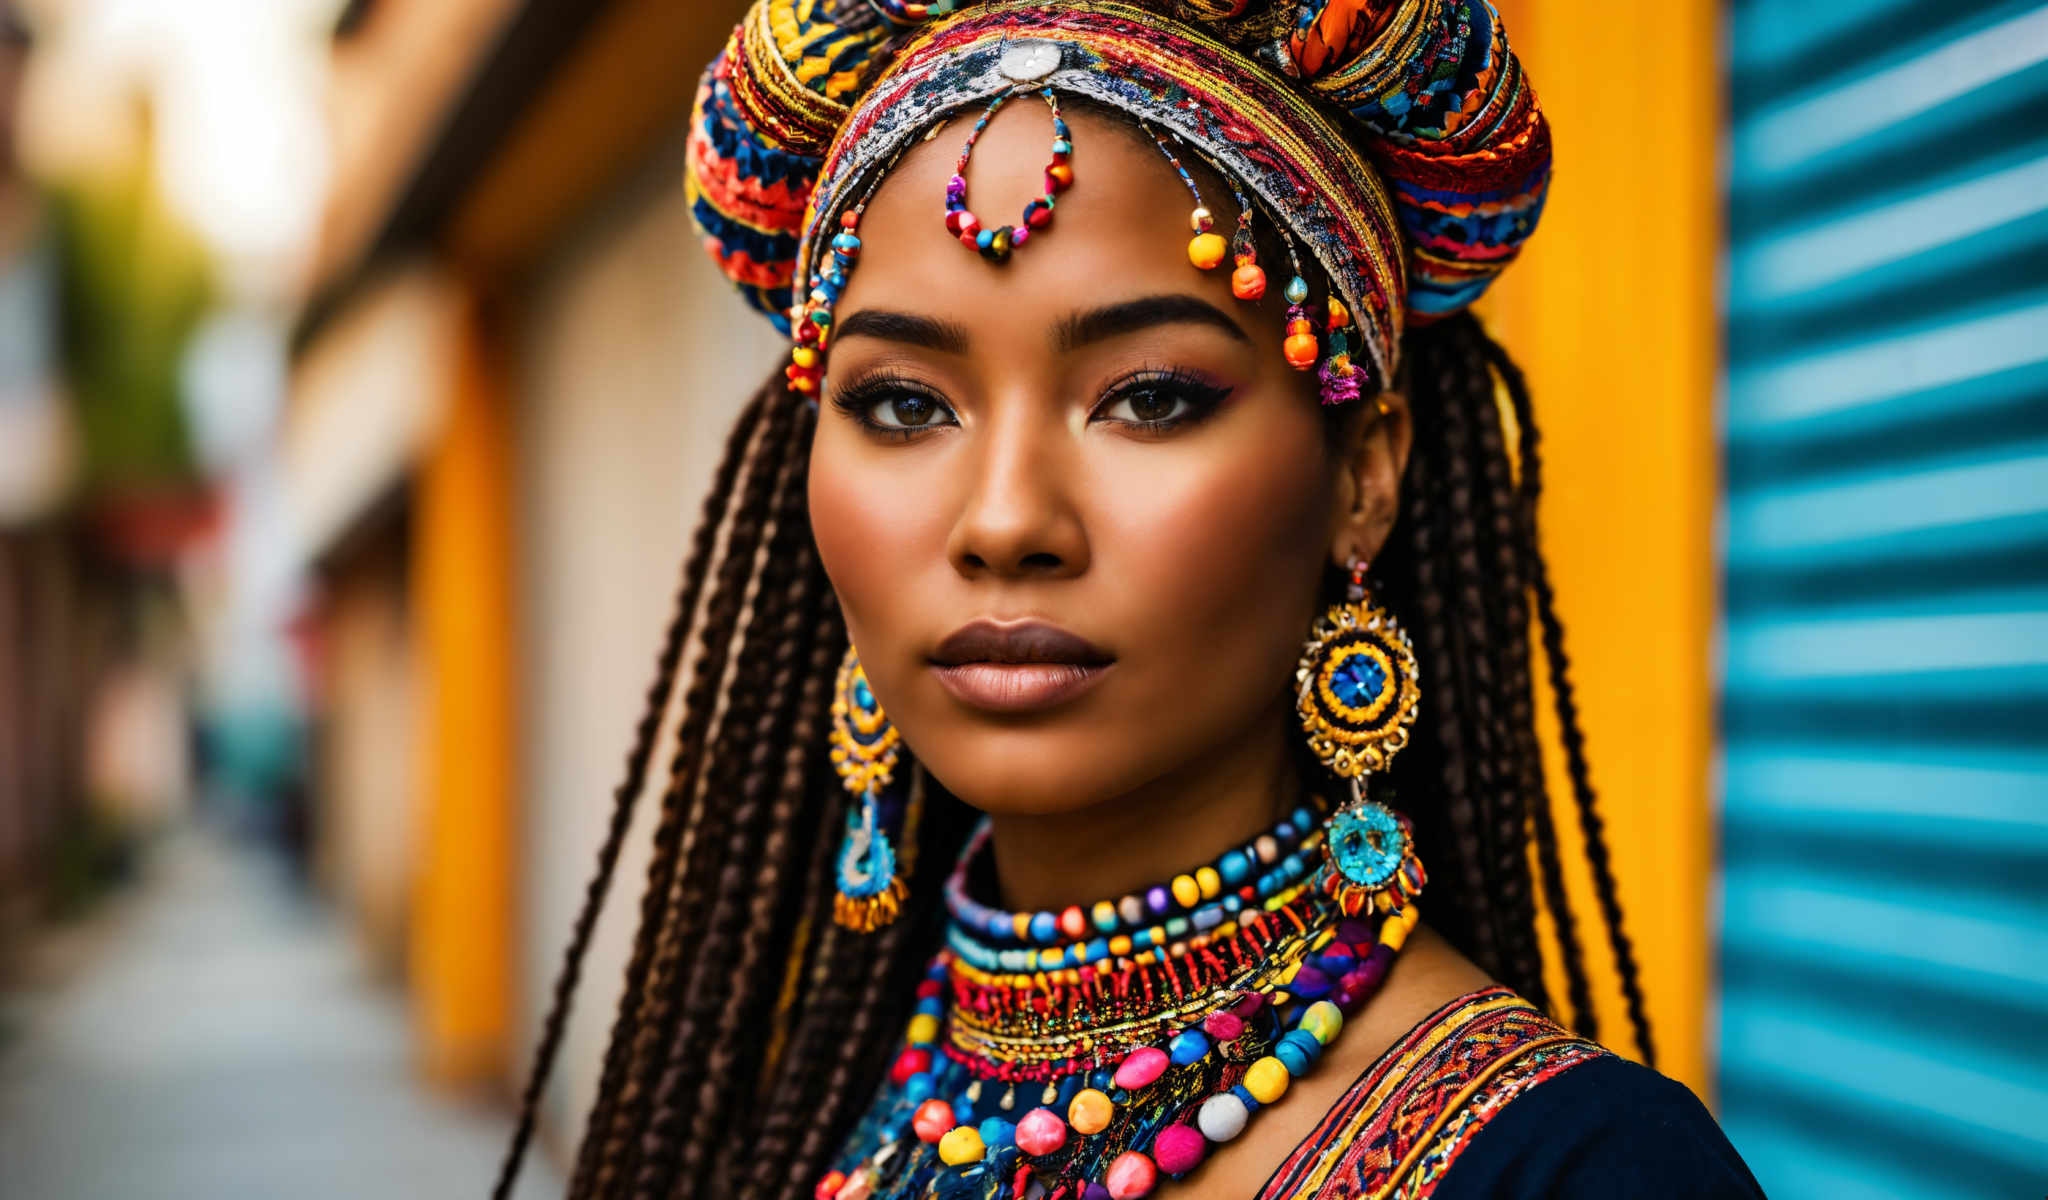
x=871, y=542
x=1227, y=558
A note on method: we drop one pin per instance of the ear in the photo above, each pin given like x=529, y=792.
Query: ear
x=1373, y=454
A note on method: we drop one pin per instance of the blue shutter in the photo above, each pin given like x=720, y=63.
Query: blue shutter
x=1884, y=943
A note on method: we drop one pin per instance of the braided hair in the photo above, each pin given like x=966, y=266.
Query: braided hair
x=700, y=1096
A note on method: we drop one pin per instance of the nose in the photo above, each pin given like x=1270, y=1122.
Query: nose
x=1018, y=518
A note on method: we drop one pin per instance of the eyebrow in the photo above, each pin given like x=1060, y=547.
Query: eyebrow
x=1130, y=316
x=1073, y=332
x=909, y=328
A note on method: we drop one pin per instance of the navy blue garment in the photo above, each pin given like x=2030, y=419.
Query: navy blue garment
x=1606, y=1128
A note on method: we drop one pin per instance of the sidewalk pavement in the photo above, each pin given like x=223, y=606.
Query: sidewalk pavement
x=216, y=1036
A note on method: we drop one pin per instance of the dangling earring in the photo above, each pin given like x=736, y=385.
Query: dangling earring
x=865, y=747
x=1358, y=690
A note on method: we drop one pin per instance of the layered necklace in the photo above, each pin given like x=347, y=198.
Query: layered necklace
x=1095, y=1052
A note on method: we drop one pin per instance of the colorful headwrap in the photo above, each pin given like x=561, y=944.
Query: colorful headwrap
x=1346, y=119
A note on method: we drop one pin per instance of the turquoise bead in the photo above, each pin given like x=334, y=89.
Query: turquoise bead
x=1293, y=1058
x=1304, y=1041
x=1044, y=927
x=1234, y=868
x=997, y=1133
x=1297, y=290
x=919, y=1088
x=1188, y=1046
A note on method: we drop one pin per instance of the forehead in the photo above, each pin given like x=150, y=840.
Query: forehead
x=1121, y=229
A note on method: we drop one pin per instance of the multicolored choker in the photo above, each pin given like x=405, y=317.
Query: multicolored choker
x=1139, y=1068
x=1228, y=877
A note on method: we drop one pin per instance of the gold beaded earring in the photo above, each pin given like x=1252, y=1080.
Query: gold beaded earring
x=1357, y=691
x=865, y=747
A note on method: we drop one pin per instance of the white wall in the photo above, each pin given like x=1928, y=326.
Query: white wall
x=636, y=357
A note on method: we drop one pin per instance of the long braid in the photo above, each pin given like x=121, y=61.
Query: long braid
x=1504, y=525
x=741, y=775
x=1590, y=822
x=627, y=794
x=623, y=1099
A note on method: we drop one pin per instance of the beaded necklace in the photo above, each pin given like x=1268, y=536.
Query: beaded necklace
x=1131, y=914
x=1139, y=1061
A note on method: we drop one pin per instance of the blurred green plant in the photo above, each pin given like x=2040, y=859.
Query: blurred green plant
x=134, y=285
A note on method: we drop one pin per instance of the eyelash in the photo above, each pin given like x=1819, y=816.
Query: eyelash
x=858, y=398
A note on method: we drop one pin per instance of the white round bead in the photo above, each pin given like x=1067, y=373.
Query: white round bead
x=1221, y=1117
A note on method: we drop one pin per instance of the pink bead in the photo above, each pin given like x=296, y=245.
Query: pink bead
x=1140, y=1067
x=1132, y=1175
x=932, y=1119
x=1179, y=1149
x=1249, y=1006
x=1223, y=1026
x=1041, y=1131
x=1346, y=996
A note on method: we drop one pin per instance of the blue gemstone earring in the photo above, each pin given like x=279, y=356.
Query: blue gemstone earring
x=1357, y=691
x=865, y=748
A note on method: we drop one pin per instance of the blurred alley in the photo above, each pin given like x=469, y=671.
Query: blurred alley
x=212, y=1032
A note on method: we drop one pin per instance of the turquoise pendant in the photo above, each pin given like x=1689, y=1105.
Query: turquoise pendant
x=867, y=863
x=1367, y=843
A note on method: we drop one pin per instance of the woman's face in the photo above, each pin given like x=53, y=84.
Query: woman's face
x=1076, y=506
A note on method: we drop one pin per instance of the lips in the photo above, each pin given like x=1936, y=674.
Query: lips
x=1017, y=668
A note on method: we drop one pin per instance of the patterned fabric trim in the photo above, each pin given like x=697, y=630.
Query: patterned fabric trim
x=1401, y=1126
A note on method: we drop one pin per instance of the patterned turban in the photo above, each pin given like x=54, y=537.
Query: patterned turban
x=1396, y=139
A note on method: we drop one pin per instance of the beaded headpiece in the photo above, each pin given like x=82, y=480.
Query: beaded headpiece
x=1395, y=140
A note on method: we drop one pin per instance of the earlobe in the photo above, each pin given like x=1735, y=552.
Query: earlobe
x=1369, y=492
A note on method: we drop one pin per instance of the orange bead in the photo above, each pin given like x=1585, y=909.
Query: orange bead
x=1207, y=250
x=1248, y=282
x=1090, y=1111
x=932, y=1119
x=1061, y=175
x=1300, y=349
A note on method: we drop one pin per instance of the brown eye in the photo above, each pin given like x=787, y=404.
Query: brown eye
x=906, y=410
x=1162, y=401
x=1151, y=404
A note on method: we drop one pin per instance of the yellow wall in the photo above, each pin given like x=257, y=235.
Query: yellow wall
x=1611, y=312
x=462, y=596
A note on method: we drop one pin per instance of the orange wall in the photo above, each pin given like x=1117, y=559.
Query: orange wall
x=1611, y=311
x=463, y=608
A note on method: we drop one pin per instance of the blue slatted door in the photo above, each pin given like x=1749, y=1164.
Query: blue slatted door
x=1883, y=1027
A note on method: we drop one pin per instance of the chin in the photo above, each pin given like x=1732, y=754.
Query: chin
x=1031, y=771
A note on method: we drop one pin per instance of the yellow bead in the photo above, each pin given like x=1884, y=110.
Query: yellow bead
x=1120, y=945
x=804, y=356
x=1266, y=1080
x=1209, y=881
x=1091, y=1110
x=962, y=1144
x=1022, y=923
x=1323, y=1019
x=1185, y=892
x=1394, y=932
x=924, y=1027
x=1207, y=250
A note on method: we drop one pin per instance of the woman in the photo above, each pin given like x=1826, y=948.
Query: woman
x=1191, y=600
